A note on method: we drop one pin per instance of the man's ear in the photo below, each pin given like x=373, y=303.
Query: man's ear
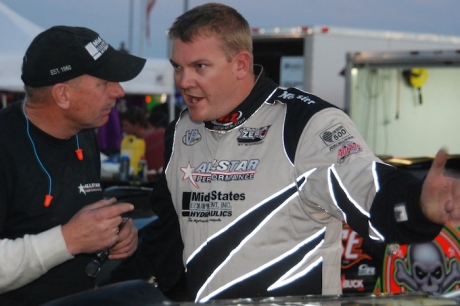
x=61, y=95
x=243, y=64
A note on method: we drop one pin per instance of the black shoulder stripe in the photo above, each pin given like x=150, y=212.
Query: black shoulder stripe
x=358, y=221
x=301, y=106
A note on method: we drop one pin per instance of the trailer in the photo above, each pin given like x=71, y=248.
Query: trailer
x=314, y=58
x=405, y=104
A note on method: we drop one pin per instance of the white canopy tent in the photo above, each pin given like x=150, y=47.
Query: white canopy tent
x=15, y=36
x=16, y=33
x=10, y=73
x=156, y=78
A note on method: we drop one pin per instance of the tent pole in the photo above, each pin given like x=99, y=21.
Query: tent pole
x=130, y=31
x=3, y=100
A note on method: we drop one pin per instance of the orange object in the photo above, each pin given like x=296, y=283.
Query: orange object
x=79, y=154
x=48, y=199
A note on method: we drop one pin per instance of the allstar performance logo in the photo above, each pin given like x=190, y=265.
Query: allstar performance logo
x=91, y=187
x=223, y=170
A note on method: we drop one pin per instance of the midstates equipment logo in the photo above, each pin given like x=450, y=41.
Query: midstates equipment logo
x=211, y=204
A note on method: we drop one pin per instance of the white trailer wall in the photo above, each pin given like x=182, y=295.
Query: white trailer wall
x=388, y=112
x=325, y=53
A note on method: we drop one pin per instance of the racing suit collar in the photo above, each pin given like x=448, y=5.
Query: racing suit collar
x=261, y=90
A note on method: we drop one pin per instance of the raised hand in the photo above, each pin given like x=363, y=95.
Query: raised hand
x=440, y=198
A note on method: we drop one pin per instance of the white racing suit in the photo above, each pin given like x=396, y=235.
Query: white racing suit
x=260, y=196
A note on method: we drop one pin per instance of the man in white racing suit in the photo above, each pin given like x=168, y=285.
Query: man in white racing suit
x=258, y=178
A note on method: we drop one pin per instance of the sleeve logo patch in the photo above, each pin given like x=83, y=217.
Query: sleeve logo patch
x=346, y=149
x=400, y=212
x=334, y=134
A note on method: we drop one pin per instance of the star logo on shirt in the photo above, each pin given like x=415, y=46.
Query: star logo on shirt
x=81, y=188
x=188, y=174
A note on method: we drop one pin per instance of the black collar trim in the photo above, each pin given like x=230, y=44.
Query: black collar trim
x=262, y=88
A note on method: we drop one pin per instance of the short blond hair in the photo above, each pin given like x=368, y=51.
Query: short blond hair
x=217, y=19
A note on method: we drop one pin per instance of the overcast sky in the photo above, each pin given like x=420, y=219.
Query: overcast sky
x=111, y=18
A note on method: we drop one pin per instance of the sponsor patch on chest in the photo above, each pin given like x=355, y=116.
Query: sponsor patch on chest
x=87, y=188
x=250, y=136
x=209, y=207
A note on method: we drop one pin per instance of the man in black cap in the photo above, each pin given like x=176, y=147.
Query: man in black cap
x=53, y=218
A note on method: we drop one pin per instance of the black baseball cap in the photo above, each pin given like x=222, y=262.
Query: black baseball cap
x=62, y=53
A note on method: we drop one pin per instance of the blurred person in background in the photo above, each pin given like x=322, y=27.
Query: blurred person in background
x=134, y=122
x=110, y=134
x=154, y=138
